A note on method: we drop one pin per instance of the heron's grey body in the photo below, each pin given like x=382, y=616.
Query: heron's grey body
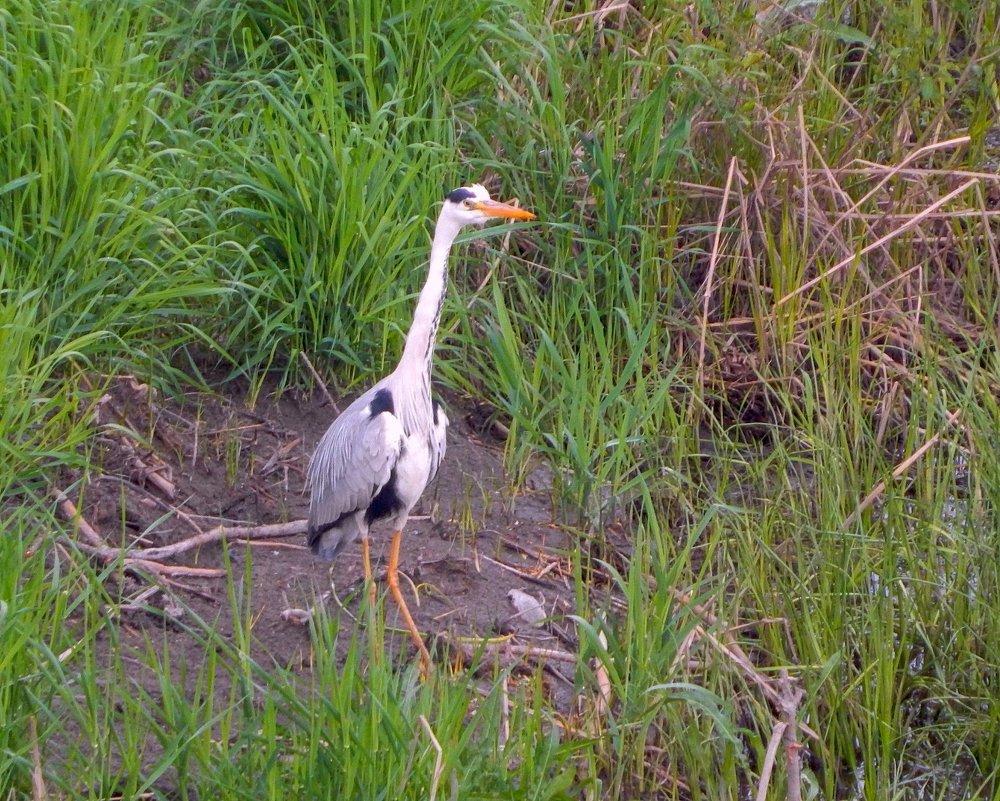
x=377, y=457
x=373, y=464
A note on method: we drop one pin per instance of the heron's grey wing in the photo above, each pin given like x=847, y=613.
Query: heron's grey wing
x=352, y=463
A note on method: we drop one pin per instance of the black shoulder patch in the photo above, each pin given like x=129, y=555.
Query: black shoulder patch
x=386, y=503
x=382, y=402
x=460, y=194
x=436, y=407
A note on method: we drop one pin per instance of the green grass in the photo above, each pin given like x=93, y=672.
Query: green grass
x=184, y=186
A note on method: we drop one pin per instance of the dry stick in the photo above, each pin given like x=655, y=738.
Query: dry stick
x=216, y=534
x=174, y=570
x=891, y=303
x=790, y=699
x=438, y=760
x=984, y=214
x=513, y=649
x=711, y=273
x=516, y=572
x=291, y=546
x=179, y=513
x=138, y=604
x=514, y=545
x=38, y=791
x=108, y=555
x=737, y=655
x=320, y=382
x=738, y=658
x=758, y=292
x=151, y=474
x=146, y=557
x=769, y=759
x=506, y=650
x=598, y=12
x=879, y=292
x=878, y=243
x=535, y=651
x=70, y=513
x=901, y=468
x=35, y=545
x=280, y=454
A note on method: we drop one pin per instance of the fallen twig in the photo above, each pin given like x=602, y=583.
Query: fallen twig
x=216, y=534
x=504, y=646
x=509, y=654
x=785, y=731
x=138, y=604
x=70, y=513
x=137, y=562
x=280, y=454
x=289, y=546
x=515, y=571
x=150, y=473
x=535, y=652
x=155, y=499
x=319, y=381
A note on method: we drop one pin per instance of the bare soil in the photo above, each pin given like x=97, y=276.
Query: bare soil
x=165, y=469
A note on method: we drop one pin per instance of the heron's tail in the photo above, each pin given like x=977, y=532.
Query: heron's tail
x=328, y=539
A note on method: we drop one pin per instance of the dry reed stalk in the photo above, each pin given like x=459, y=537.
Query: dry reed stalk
x=713, y=260
x=878, y=243
x=438, y=759
x=900, y=469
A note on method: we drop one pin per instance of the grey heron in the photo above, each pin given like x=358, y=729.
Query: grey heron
x=379, y=454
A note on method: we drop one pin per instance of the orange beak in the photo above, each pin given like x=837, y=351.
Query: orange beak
x=496, y=209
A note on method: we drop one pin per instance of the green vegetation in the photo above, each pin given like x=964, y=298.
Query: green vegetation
x=745, y=313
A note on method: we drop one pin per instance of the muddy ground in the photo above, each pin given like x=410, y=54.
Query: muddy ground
x=165, y=469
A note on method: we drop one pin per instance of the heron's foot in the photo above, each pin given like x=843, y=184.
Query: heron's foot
x=426, y=666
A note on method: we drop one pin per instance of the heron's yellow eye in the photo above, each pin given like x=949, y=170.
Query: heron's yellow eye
x=467, y=204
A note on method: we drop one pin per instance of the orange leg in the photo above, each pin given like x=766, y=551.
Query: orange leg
x=373, y=622
x=369, y=579
x=425, y=657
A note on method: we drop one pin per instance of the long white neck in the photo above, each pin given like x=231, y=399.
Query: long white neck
x=419, y=349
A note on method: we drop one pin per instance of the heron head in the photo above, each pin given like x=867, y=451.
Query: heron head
x=471, y=205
